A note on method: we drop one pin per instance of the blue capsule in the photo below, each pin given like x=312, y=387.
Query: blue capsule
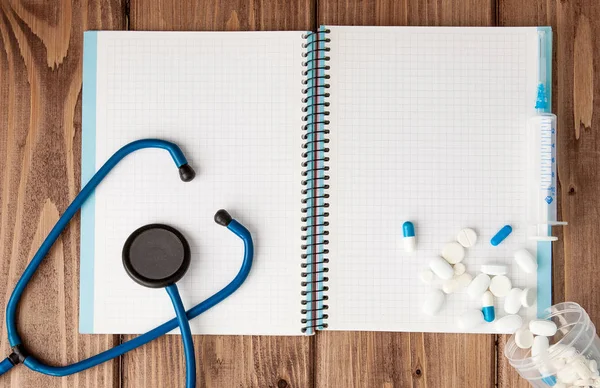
x=501, y=235
x=408, y=229
x=487, y=299
x=549, y=380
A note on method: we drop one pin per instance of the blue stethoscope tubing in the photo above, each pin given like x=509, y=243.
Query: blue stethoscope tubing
x=180, y=321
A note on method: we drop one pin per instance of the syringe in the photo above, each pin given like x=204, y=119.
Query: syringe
x=541, y=164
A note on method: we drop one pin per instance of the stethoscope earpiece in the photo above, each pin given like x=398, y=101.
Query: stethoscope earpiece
x=222, y=217
x=186, y=172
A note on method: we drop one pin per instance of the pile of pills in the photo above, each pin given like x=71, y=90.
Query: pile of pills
x=491, y=283
x=561, y=366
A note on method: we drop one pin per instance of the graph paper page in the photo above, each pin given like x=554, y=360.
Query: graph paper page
x=232, y=101
x=427, y=125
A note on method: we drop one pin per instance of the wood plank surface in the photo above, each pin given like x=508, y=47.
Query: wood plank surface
x=576, y=97
x=223, y=361
x=40, y=137
x=374, y=359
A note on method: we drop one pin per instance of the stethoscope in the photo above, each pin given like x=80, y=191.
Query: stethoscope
x=154, y=255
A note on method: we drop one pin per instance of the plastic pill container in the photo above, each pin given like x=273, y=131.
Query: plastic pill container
x=574, y=344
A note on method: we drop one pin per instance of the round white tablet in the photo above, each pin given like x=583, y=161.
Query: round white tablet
x=524, y=338
x=441, y=268
x=426, y=276
x=478, y=286
x=433, y=302
x=467, y=237
x=500, y=286
x=528, y=297
x=453, y=252
x=542, y=327
x=508, y=324
x=459, y=269
x=512, y=302
x=494, y=269
x=470, y=319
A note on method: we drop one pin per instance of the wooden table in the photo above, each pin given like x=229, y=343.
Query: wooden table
x=40, y=146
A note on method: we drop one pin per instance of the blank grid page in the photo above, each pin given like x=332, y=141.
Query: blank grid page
x=232, y=101
x=427, y=125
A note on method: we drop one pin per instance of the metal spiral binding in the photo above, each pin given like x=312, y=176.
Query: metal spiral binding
x=314, y=177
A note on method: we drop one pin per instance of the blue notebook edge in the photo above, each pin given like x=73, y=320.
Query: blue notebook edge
x=88, y=168
x=544, y=248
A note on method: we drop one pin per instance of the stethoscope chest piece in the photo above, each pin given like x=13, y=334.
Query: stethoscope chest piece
x=156, y=255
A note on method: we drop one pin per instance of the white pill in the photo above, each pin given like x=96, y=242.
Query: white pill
x=500, y=286
x=441, y=268
x=581, y=368
x=457, y=283
x=434, y=302
x=524, y=338
x=453, y=252
x=512, y=302
x=583, y=382
x=478, y=286
x=508, y=324
x=459, y=269
x=557, y=348
x=569, y=353
x=526, y=261
x=528, y=297
x=593, y=365
x=558, y=363
x=426, y=276
x=467, y=237
x=567, y=375
x=494, y=269
x=540, y=345
x=542, y=327
x=545, y=371
x=470, y=319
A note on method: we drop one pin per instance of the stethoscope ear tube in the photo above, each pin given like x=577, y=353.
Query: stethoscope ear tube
x=186, y=173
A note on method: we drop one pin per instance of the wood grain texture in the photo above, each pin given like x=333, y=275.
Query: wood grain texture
x=40, y=110
x=223, y=361
x=222, y=15
x=406, y=12
x=576, y=97
x=40, y=136
x=374, y=359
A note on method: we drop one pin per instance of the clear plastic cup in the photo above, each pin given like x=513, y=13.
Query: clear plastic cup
x=573, y=347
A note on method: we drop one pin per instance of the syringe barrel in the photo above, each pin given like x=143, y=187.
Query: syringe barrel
x=541, y=169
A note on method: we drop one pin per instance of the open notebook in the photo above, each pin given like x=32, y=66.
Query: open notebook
x=322, y=144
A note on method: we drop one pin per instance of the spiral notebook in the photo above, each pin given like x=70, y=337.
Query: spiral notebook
x=322, y=144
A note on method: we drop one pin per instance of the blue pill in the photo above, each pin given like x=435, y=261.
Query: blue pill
x=549, y=380
x=408, y=229
x=501, y=235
